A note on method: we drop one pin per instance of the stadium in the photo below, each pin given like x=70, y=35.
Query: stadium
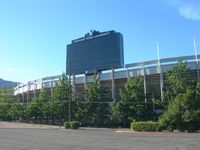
x=102, y=53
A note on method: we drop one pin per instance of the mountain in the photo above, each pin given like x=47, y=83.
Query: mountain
x=4, y=83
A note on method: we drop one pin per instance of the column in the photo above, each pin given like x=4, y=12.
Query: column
x=27, y=94
x=85, y=86
x=145, y=87
x=73, y=88
x=34, y=92
x=51, y=87
x=161, y=80
x=127, y=73
x=113, y=83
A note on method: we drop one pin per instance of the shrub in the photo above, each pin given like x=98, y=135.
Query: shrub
x=183, y=113
x=146, y=126
x=67, y=125
x=75, y=124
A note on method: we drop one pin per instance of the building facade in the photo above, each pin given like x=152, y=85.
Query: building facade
x=153, y=74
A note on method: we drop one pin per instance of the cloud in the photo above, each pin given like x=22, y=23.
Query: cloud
x=189, y=9
x=190, y=12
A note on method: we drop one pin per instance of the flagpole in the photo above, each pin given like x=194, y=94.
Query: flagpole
x=160, y=71
x=197, y=61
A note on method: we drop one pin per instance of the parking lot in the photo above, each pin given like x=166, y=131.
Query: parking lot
x=94, y=139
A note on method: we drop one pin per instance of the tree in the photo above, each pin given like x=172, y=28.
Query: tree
x=44, y=99
x=6, y=95
x=60, y=99
x=130, y=104
x=37, y=107
x=181, y=91
x=183, y=112
x=6, y=100
x=179, y=80
x=17, y=111
x=96, y=107
x=4, y=109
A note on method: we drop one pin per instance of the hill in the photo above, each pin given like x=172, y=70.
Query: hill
x=4, y=83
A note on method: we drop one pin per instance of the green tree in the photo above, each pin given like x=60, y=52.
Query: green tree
x=96, y=107
x=181, y=91
x=16, y=111
x=183, y=112
x=60, y=99
x=4, y=109
x=44, y=99
x=6, y=100
x=130, y=104
x=179, y=80
x=37, y=109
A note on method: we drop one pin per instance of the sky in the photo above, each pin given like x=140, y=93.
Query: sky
x=34, y=33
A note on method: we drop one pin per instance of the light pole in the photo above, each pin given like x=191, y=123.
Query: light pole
x=69, y=73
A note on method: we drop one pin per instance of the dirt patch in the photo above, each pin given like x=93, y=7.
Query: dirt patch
x=25, y=125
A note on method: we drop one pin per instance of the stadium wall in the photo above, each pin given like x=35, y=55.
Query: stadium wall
x=152, y=72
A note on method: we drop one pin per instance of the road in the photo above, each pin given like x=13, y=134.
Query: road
x=94, y=139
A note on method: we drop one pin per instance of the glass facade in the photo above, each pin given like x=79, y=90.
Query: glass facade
x=97, y=52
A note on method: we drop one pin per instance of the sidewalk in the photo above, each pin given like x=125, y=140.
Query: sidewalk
x=15, y=125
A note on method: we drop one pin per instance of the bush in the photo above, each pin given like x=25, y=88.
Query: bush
x=71, y=125
x=67, y=125
x=146, y=126
x=183, y=113
x=75, y=124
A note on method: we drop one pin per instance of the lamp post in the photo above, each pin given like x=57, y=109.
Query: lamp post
x=69, y=73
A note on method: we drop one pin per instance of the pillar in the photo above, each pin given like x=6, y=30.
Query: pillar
x=85, y=86
x=113, y=84
x=73, y=88
x=145, y=87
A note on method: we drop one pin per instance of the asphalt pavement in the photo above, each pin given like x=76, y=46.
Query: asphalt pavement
x=94, y=139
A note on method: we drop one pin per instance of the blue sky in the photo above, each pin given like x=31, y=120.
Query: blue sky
x=34, y=33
